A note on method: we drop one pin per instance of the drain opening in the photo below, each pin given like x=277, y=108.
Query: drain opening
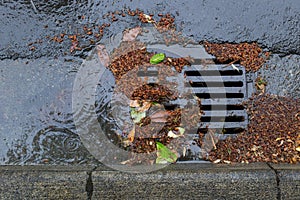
x=222, y=90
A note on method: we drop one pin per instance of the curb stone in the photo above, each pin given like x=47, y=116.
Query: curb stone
x=178, y=181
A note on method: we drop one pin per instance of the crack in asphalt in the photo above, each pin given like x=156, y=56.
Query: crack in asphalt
x=278, y=196
x=89, y=186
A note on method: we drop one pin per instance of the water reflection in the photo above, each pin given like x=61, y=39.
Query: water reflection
x=37, y=125
x=51, y=145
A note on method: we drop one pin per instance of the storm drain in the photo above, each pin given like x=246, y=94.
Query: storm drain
x=222, y=90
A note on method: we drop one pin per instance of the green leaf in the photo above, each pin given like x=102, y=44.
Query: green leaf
x=164, y=155
x=136, y=116
x=157, y=58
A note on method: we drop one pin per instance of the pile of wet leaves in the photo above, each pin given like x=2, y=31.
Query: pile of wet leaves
x=250, y=55
x=156, y=125
x=273, y=133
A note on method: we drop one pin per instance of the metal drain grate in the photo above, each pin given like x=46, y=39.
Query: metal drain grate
x=222, y=89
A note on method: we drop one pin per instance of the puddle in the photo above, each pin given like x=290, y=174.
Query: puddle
x=36, y=114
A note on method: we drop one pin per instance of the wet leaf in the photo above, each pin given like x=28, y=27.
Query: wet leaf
x=160, y=117
x=171, y=134
x=164, y=155
x=157, y=58
x=134, y=103
x=179, y=131
x=145, y=106
x=103, y=55
x=160, y=114
x=131, y=134
x=131, y=34
x=136, y=115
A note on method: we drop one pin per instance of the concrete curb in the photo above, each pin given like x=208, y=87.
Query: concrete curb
x=178, y=181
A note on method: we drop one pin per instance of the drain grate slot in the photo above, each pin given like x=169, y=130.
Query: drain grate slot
x=216, y=84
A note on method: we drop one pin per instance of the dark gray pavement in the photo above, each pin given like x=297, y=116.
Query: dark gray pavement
x=272, y=23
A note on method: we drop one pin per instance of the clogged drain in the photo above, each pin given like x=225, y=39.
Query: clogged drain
x=157, y=122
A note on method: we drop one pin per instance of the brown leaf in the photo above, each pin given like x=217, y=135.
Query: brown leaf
x=131, y=34
x=145, y=106
x=160, y=116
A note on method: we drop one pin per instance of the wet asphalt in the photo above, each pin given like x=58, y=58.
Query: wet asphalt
x=36, y=87
x=273, y=24
x=37, y=84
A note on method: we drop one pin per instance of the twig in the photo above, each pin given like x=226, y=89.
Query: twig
x=34, y=8
x=212, y=140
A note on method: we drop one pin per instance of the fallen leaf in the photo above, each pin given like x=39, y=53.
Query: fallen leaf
x=171, y=134
x=134, y=103
x=180, y=129
x=131, y=134
x=149, y=18
x=160, y=114
x=298, y=149
x=157, y=58
x=103, y=55
x=164, y=155
x=145, y=106
x=137, y=116
x=131, y=34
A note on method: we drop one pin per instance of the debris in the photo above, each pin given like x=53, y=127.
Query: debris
x=34, y=8
x=234, y=67
x=157, y=58
x=272, y=135
x=250, y=55
x=136, y=115
x=131, y=134
x=164, y=155
x=131, y=34
x=260, y=84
